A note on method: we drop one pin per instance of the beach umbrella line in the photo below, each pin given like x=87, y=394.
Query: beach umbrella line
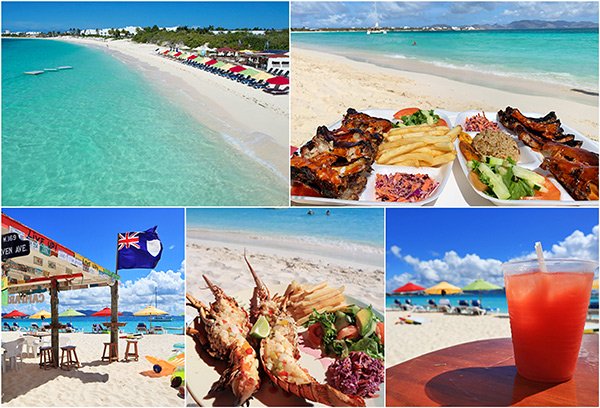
x=248, y=76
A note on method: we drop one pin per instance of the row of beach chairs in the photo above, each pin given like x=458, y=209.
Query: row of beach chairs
x=244, y=79
x=69, y=328
x=445, y=306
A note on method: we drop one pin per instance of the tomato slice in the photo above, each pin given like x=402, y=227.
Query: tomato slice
x=315, y=334
x=380, y=331
x=405, y=112
x=348, y=332
x=441, y=122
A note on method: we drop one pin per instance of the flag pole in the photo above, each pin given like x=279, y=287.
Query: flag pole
x=114, y=305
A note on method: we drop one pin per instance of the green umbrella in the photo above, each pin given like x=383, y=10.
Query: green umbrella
x=71, y=313
x=250, y=72
x=218, y=64
x=480, y=285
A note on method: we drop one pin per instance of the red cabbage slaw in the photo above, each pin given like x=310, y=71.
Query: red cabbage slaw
x=357, y=374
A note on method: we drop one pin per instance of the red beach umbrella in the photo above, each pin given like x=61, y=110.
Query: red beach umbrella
x=409, y=287
x=237, y=68
x=166, y=52
x=104, y=312
x=191, y=57
x=14, y=314
x=177, y=54
x=211, y=62
x=278, y=80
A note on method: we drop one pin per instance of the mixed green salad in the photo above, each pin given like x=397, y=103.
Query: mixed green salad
x=352, y=329
x=505, y=180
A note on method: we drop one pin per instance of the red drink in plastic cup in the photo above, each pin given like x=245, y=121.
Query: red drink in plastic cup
x=547, y=315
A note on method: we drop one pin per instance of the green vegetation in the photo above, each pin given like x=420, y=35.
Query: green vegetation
x=196, y=37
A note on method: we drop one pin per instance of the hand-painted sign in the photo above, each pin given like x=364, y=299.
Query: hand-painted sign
x=13, y=246
x=32, y=298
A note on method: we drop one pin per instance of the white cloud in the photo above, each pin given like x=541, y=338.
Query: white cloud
x=395, y=249
x=460, y=270
x=551, y=10
x=577, y=245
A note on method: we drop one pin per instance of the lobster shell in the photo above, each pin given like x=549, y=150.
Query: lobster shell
x=314, y=391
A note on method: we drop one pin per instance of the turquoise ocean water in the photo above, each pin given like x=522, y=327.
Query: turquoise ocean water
x=100, y=134
x=85, y=323
x=360, y=225
x=560, y=56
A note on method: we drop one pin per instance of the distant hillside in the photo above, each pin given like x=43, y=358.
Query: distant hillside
x=538, y=25
x=515, y=25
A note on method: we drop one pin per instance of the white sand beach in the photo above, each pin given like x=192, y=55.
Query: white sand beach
x=406, y=341
x=325, y=85
x=251, y=120
x=96, y=383
x=278, y=261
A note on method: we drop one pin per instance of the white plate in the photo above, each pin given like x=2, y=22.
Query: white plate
x=530, y=160
x=367, y=198
x=202, y=370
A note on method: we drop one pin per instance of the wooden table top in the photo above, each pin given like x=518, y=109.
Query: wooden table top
x=483, y=373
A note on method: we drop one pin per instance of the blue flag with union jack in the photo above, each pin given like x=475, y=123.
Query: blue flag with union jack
x=138, y=249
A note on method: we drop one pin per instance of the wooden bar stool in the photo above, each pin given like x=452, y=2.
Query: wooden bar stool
x=112, y=352
x=46, y=360
x=72, y=360
x=134, y=352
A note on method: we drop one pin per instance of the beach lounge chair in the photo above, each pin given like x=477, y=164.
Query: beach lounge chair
x=69, y=328
x=97, y=328
x=477, y=309
x=14, y=352
x=142, y=328
x=34, y=327
x=463, y=307
x=157, y=330
x=5, y=326
x=445, y=306
x=593, y=314
x=15, y=327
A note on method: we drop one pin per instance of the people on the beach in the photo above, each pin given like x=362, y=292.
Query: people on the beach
x=414, y=43
x=310, y=212
x=328, y=213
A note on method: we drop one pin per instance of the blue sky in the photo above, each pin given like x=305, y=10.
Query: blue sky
x=422, y=13
x=426, y=246
x=92, y=233
x=47, y=16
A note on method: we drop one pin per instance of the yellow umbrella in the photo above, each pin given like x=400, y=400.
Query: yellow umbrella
x=263, y=76
x=445, y=286
x=595, y=284
x=150, y=311
x=41, y=314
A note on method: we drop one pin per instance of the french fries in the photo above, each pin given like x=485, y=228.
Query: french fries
x=417, y=146
x=303, y=299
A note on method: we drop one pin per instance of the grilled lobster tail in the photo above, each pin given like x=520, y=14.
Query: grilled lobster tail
x=313, y=390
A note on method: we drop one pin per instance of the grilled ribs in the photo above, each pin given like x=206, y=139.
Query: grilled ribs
x=576, y=169
x=336, y=163
x=535, y=132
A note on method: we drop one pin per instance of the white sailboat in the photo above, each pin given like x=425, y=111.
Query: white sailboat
x=376, y=29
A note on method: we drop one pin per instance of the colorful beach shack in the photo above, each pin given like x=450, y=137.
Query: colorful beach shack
x=51, y=267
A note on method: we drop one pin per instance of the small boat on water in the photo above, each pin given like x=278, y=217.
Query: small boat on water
x=51, y=69
x=65, y=67
x=33, y=72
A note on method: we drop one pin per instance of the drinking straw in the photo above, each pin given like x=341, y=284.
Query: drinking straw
x=540, y=255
